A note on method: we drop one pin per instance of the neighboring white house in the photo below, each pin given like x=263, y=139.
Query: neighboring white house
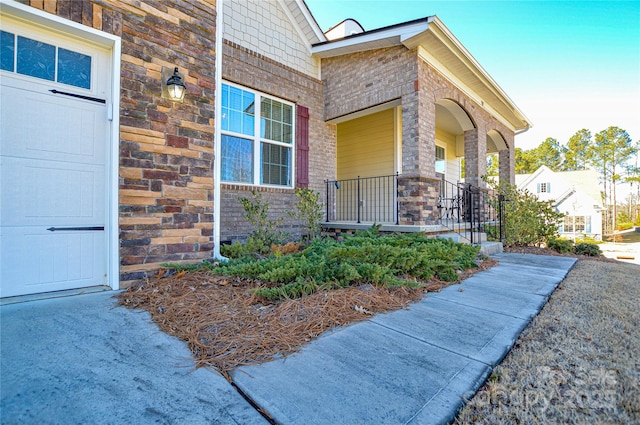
x=576, y=194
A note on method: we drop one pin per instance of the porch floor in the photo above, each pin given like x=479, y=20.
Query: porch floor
x=385, y=227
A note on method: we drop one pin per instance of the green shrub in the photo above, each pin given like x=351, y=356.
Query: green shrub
x=308, y=211
x=624, y=226
x=237, y=250
x=561, y=245
x=384, y=260
x=589, y=249
x=528, y=221
x=266, y=229
x=588, y=239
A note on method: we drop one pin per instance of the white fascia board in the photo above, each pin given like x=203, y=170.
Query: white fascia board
x=434, y=62
x=294, y=22
x=364, y=112
x=367, y=41
x=311, y=20
x=535, y=175
x=33, y=15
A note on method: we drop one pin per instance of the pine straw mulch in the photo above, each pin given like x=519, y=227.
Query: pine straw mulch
x=226, y=326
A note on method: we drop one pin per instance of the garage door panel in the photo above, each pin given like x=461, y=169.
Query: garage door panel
x=57, y=260
x=49, y=193
x=54, y=161
x=63, y=129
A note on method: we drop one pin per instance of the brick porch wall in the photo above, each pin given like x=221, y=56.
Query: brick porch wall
x=358, y=81
x=437, y=87
x=166, y=148
x=253, y=70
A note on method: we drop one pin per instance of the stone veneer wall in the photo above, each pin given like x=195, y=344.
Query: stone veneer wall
x=250, y=69
x=166, y=148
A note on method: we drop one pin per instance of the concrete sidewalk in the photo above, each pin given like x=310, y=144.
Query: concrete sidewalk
x=82, y=360
x=412, y=366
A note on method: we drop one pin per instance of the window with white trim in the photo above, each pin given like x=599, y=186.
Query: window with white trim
x=577, y=223
x=256, y=151
x=441, y=164
x=45, y=61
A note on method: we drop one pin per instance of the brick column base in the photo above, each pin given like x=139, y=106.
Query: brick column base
x=418, y=200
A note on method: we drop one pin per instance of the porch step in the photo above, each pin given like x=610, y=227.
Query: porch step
x=490, y=248
x=464, y=237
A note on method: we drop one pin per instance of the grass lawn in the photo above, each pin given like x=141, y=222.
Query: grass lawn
x=577, y=362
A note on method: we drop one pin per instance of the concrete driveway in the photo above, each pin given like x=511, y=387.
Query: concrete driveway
x=82, y=360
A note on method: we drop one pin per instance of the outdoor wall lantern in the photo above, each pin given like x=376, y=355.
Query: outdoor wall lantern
x=173, y=87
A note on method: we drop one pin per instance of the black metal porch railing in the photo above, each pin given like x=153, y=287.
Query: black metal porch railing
x=471, y=211
x=363, y=199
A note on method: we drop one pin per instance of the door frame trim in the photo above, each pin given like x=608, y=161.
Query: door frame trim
x=31, y=15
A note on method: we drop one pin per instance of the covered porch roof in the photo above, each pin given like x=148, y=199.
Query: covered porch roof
x=437, y=46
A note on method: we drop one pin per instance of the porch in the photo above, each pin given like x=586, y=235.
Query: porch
x=465, y=213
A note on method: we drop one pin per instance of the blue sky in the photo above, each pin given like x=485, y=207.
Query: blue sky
x=567, y=65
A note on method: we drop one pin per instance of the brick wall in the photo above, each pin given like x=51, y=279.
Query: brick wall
x=166, y=148
x=361, y=80
x=253, y=70
x=436, y=87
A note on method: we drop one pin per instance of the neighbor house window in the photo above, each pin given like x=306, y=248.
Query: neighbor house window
x=544, y=187
x=257, y=137
x=577, y=224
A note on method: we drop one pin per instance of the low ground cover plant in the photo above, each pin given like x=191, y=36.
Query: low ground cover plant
x=565, y=246
x=365, y=258
x=561, y=245
x=589, y=249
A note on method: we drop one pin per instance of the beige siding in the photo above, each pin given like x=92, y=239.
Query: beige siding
x=264, y=27
x=366, y=149
x=366, y=146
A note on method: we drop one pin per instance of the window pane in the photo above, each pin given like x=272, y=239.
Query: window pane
x=286, y=131
x=238, y=110
x=74, y=68
x=234, y=122
x=287, y=115
x=275, y=165
x=36, y=59
x=265, y=108
x=237, y=159
x=440, y=162
x=274, y=116
x=6, y=50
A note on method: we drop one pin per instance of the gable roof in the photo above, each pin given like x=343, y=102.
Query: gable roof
x=436, y=45
x=302, y=17
x=585, y=181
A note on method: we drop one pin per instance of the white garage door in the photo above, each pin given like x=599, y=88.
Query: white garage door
x=54, y=137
